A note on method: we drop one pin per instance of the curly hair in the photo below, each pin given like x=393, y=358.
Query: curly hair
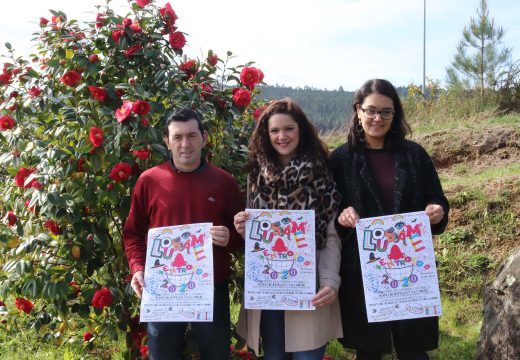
x=399, y=128
x=260, y=144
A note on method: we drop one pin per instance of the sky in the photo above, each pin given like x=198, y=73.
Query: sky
x=322, y=44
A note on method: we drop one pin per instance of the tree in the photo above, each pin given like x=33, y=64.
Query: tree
x=480, y=60
x=79, y=122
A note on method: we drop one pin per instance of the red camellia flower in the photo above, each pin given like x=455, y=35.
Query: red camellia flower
x=27, y=203
x=93, y=58
x=11, y=218
x=87, y=336
x=96, y=136
x=136, y=27
x=6, y=123
x=34, y=91
x=260, y=75
x=177, y=40
x=43, y=21
x=258, y=112
x=99, y=93
x=5, y=78
x=145, y=122
x=141, y=107
x=144, y=351
x=119, y=92
x=24, y=305
x=102, y=298
x=168, y=15
x=36, y=184
x=127, y=22
x=120, y=172
x=142, y=154
x=241, y=98
x=79, y=165
x=249, y=76
x=21, y=175
x=100, y=20
x=142, y=3
x=124, y=111
x=52, y=226
x=132, y=50
x=213, y=59
x=71, y=78
x=116, y=34
x=189, y=67
x=205, y=90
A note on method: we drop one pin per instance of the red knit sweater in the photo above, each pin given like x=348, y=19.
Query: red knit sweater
x=165, y=197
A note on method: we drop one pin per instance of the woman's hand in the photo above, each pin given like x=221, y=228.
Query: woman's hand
x=240, y=222
x=435, y=213
x=325, y=296
x=348, y=217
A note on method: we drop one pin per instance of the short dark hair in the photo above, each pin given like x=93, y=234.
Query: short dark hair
x=309, y=142
x=183, y=115
x=399, y=128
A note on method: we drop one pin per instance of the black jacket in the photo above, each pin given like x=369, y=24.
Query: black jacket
x=416, y=185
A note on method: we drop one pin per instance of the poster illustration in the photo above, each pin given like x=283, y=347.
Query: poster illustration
x=280, y=260
x=398, y=266
x=178, y=274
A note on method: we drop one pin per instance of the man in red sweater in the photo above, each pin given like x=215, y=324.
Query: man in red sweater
x=186, y=190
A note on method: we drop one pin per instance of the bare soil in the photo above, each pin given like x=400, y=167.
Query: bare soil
x=492, y=146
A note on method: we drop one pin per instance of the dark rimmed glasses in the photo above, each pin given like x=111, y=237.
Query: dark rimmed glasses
x=372, y=113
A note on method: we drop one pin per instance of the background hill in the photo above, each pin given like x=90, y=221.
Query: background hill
x=328, y=109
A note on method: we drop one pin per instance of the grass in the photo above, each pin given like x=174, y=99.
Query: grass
x=463, y=176
x=459, y=330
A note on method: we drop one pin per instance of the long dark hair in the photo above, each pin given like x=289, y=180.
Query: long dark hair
x=309, y=143
x=399, y=128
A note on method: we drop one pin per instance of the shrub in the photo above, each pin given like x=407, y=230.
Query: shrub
x=81, y=121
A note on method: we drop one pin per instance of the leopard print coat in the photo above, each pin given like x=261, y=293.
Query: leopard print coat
x=300, y=185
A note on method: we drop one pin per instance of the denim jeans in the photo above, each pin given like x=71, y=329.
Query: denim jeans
x=166, y=339
x=272, y=331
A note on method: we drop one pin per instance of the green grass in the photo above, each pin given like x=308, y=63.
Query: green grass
x=463, y=175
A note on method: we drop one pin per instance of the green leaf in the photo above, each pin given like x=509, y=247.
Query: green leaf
x=8, y=46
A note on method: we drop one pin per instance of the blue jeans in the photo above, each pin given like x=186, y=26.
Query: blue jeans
x=272, y=331
x=166, y=339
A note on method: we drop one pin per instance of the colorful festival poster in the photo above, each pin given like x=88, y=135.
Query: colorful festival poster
x=398, y=267
x=178, y=274
x=280, y=260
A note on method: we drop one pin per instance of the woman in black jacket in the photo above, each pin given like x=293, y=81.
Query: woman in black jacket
x=379, y=172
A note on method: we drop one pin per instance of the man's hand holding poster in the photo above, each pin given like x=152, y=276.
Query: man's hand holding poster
x=398, y=267
x=280, y=260
x=178, y=274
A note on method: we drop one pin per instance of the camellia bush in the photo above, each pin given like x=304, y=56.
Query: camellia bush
x=79, y=121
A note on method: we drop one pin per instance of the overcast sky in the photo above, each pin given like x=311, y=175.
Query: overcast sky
x=323, y=44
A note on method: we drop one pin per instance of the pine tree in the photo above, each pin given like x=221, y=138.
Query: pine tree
x=480, y=60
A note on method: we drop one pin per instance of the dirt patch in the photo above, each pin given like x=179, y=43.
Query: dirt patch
x=492, y=146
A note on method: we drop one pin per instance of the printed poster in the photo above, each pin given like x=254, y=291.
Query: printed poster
x=398, y=266
x=280, y=260
x=178, y=274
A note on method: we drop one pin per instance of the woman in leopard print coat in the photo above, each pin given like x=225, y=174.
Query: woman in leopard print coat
x=288, y=170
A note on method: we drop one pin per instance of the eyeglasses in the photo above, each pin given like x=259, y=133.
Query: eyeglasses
x=385, y=114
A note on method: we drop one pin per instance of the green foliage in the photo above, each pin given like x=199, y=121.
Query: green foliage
x=327, y=109
x=88, y=116
x=486, y=64
x=442, y=108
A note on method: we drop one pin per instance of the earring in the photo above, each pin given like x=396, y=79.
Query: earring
x=359, y=128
